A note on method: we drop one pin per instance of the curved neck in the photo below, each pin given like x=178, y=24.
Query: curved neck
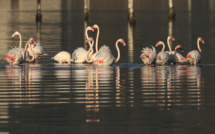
x=199, y=45
x=86, y=33
x=117, y=48
x=168, y=38
x=90, y=52
x=28, y=44
x=20, y=40
x=97, y=38
x=162, y=43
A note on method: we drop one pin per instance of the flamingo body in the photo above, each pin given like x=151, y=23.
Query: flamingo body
x=162, y=58
x=62, y=57
x=14, y=56
x=104, y=56
x=79, y=55
x=148, y=55
x=194, y=57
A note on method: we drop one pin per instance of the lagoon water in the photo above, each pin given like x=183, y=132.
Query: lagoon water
x=127, y=97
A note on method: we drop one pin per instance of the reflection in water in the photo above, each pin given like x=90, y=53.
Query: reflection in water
x=23, y=82
x=172, y=86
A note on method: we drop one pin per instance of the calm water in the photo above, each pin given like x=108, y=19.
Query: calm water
x=127, y=97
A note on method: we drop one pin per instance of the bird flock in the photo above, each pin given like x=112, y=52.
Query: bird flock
x=150, y=57
x=103, y=55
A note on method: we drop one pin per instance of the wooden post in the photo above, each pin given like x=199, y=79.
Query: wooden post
x=86, y=9
x=131, y=11
x=171, y=10
x=39, y=14
x=130, y=42
x=170, y=4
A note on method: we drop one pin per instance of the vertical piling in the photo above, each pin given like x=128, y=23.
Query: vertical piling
x=86, y=9
x=130, y=42
x=171, y=10
x=39, y=14
x=170, y=4
x=131, y=11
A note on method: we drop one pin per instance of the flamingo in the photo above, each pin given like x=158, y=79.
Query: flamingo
x=178, y=57
x=148, y=55
x=30, y=51
x=80, y=54
x=102, y=48
x=162, y=57
x=17, y=55
x=194, y=56
x=37, y=50
x=172, y=57
x=62, y=57
x=105, y=57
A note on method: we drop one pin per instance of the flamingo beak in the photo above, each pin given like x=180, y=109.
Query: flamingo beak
x=124, y=44
x=203, y=42
x=92, y=29
x=182, y=50
x=173, y=39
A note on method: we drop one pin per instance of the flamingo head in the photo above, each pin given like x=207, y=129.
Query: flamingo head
x=95, y=26
x=15, y=33
x=172, y=38
x=32, y=41
x=90, y=28
x=122, y=41
x=90, y=39
x=159, y=43
x=179, y=47
x=200, y=39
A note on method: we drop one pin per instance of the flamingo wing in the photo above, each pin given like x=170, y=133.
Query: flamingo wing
x=79, y=55
x=194, y=57
x=162, y=58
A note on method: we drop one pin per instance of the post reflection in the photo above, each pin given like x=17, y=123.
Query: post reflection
x=169, y=87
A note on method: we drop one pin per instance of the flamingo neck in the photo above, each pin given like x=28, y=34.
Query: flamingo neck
x=28, y=44
x=198, y=45
x=20, y=40
x=90, y=52
x=97, y=38
x=170, y=49
x=163, y=46
x=118, y=51
x=86, y=33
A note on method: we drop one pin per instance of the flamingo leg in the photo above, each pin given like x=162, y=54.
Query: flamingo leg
x=36, y=61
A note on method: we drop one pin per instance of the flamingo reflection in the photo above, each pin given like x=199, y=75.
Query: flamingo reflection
x=169, y=87
x=24, y=81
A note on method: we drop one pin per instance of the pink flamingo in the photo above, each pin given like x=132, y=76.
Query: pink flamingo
x=37, y=50
x=194, y=56
x=62, y=57
x=17, y=55
x=105, y=57
x=178, y=57
x=102, y=48
x=162, y=57
x=172, y=57
x=148, y=55
x=80, y=54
